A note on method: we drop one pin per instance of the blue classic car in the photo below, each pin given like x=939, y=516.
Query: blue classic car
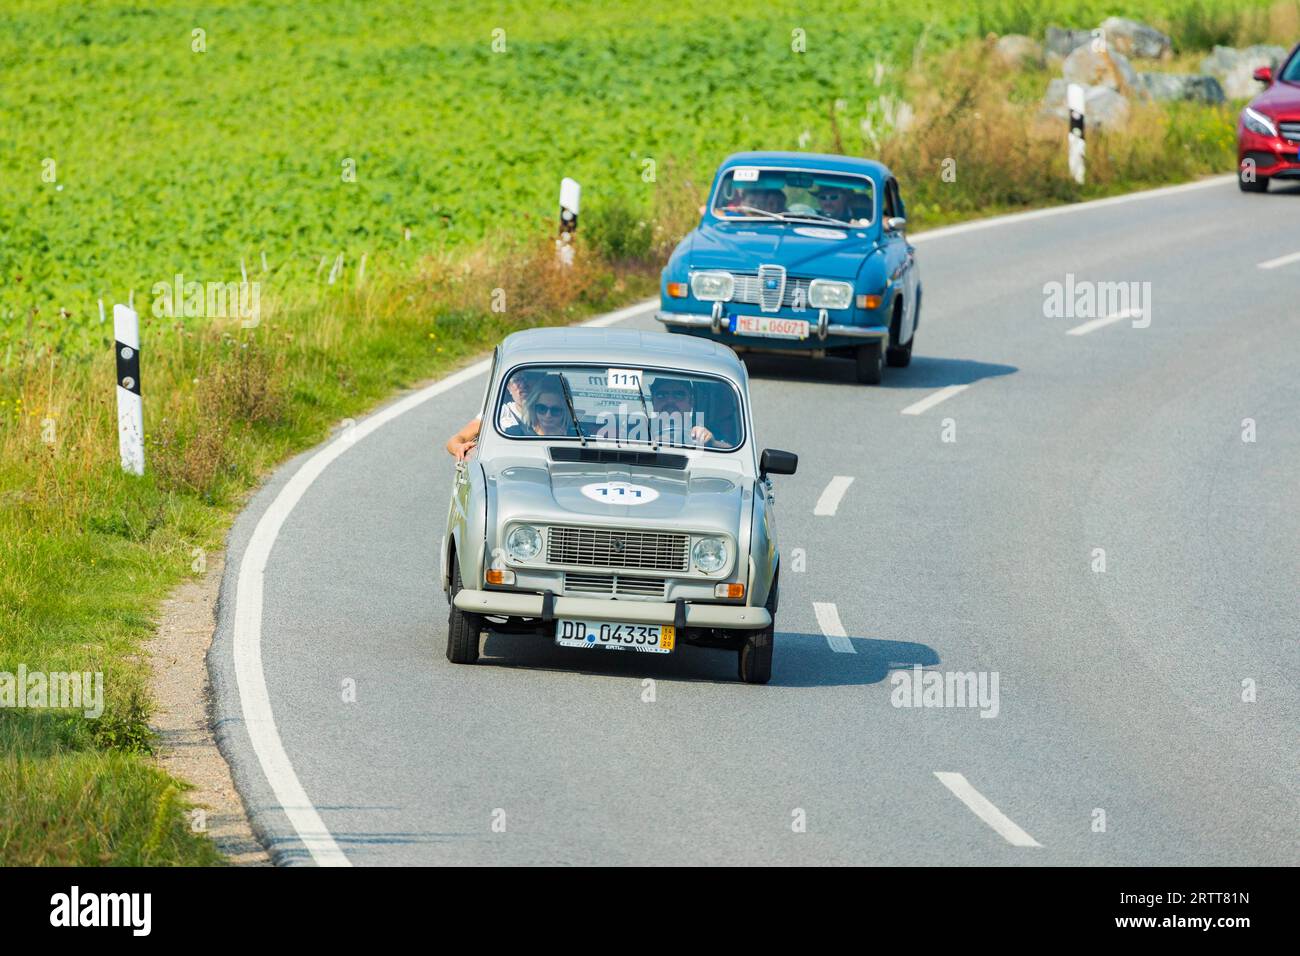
x=799, y=253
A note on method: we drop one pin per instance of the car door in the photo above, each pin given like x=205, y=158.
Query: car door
x=462, y=487
x=910, y=281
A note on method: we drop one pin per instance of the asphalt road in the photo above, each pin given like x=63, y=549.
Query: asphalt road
x=1119, y=692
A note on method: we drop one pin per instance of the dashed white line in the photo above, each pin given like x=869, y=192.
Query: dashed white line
x=945, y=393
x=1280, y=261
x=1104, y=321
x=832, y=495
x=979, y=805
x=828, y=619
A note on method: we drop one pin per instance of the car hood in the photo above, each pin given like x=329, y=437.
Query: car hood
x=620, y=495
x=1281, y=100
x=803, y=249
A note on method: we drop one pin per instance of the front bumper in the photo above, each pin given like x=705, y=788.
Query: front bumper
x=1273, y=156
x=517, y=604
x=821, y=329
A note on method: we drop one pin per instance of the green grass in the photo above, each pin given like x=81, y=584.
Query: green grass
x=179, y=162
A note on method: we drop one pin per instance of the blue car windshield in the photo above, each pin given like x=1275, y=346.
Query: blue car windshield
x=620, y=404
x=752, y=192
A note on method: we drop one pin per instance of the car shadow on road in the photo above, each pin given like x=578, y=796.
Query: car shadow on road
x=925, y=371
x=800, y=660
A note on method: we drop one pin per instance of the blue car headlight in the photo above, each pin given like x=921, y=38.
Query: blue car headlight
x=825, y=294
x=713, y=286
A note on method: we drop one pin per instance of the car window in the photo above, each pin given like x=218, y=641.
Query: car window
x=891, y=200
x=751, y=192
x=1291, y=72
x=625, y=405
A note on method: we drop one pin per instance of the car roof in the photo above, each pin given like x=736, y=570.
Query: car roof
x=620, y=347
x=827, y=162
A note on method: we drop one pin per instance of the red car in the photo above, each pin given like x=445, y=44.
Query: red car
x=1268, y=131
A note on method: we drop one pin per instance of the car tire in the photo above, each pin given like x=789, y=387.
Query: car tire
x=900, y=356
x=756, y=652
x=1258, y=185
x=462, y=627
x=871, y=363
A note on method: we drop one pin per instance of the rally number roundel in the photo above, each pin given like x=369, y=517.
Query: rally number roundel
x=619, y=493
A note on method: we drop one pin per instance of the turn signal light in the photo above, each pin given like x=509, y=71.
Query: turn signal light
x=735, y=591
x=677, y=290
x=869, y=301
x=499, y=576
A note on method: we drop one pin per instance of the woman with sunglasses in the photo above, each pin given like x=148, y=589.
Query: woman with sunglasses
x=545, y=411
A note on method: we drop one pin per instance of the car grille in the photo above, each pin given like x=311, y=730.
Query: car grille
x=748, y=293
x=601, y=548
x=578, y=583
x=1290, y=130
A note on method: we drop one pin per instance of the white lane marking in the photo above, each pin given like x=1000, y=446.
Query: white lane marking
x=828, y=619
x=1104, y=321
x=979, y=805
x=250, y=679
x=944, y=231
x=832, y=495
x=945, y=393
x=1280, y=261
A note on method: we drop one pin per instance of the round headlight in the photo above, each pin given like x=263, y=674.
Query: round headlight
x=709, y=554
x=524, y=542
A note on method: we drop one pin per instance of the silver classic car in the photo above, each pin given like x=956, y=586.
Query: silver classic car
x=615, y=500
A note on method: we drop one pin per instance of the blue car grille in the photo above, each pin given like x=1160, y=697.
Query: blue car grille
x=771, y=287
x=749, y=287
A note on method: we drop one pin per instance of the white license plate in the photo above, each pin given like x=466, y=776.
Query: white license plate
x=770, y=326
x=647, y=638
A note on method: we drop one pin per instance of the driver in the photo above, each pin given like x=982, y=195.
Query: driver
x=674, y=402
x=833, y=201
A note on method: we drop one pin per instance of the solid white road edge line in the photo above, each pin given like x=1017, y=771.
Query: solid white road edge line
x=254, y=698
x=945, y=393
x=979, y=805
x=1105, y=320
x=828, y=619
x=1280, y=261
x=832, y=495
x=963, y=227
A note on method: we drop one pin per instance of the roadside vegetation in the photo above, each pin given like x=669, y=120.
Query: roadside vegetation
x=234, y=159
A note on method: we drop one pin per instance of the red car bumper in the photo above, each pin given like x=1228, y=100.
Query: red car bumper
x=1273, y=156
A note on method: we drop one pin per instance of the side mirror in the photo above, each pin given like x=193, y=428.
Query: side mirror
x=894, y=223
x=774, y=462
x=1264, y=74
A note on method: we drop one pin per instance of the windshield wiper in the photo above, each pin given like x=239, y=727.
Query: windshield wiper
x=640, y=393
x=815, y=216
x=573, y=416
x=762, y=212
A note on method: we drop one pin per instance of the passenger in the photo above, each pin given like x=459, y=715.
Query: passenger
x=769, y=200
x=545, y=412
x=512, y=413
x=674, y=405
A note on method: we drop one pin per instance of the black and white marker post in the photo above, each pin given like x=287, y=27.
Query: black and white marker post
x=1075, y=98
x=570, y=197
x=130, y=406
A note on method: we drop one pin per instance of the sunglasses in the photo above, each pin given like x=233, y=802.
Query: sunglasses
x=549, y=410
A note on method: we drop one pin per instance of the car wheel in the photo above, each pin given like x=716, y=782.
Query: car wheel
x=462, y=627
x=756, y=652
x=1258, y=185
x=871, y=363
x=900, y=356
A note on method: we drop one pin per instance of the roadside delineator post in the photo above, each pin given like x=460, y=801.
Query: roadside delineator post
x=570, y=198
x=130, y=405
x=1076, y=98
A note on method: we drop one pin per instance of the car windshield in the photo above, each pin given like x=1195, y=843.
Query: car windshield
x=751, y=192
x=621, y=404
x=1291, y=72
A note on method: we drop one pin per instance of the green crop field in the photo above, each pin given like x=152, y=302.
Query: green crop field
x=144, y=141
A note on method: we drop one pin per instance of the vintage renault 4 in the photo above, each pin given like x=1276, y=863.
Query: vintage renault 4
x=616, y=500
x=799, y=253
